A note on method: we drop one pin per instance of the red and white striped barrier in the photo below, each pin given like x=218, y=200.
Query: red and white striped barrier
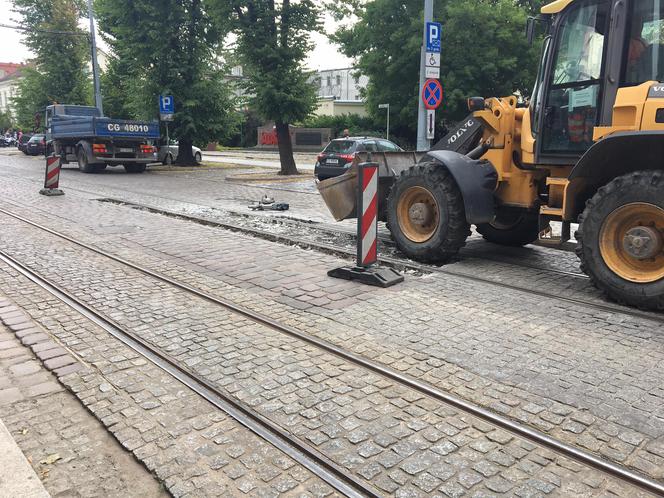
x=52, y=178
x=367, y=227
x=367, y=234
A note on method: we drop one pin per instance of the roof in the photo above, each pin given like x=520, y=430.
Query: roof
x=556, y=7
x=10, y=67
x=12, y=76
x=358, y=138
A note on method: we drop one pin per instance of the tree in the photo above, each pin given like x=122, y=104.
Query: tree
x=484, y=53
x=273, y=41
x=30, y=99
x=170, y=47
x=61, y=51
x=6, y=120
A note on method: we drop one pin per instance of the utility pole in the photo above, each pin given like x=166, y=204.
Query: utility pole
x=95, y=64
x=422, y=143
x=386, y=106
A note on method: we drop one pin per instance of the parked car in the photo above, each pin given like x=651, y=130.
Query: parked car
x=23, y=143
x=337, y=157
x=168, y=154
x=36, y=145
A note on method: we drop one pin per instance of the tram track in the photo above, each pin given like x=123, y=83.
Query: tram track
x=572, y=452
x=301, y=452
x=403, y=264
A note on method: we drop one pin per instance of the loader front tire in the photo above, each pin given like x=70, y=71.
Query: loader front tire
x=516, y=228
x=426, y=215
x=621, y=239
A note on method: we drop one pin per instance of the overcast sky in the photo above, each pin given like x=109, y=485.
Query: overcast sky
x=324, y=56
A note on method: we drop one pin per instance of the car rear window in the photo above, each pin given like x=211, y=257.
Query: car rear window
x=36, y=138
x=340, y=147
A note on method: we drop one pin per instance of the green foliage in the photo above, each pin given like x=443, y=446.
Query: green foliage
x=169, y=47
x=60, y=71
x=355, y=124
x=31, y=98
x=6, y=120
x=484, y=53
x=273, y=40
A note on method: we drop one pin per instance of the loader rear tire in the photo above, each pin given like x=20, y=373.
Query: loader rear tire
x=426, y=215
x=621, y=239
x=514, y=229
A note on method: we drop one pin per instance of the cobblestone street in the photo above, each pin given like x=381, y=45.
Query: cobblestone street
x=518, y=333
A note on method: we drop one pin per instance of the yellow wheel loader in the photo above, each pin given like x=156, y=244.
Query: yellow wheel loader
x=588, y=148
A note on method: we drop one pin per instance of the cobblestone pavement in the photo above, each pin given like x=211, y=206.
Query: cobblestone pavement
x=394, y=438
x=69, y=449
x=193, y=449
x=591, y=378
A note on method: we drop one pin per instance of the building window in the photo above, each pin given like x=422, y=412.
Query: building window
x=329, y=81
x=338, y=79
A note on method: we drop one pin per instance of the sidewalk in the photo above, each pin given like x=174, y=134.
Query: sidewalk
x=262, y=159
x=17, y=478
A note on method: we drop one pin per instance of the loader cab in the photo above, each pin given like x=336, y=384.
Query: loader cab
x=592, y=48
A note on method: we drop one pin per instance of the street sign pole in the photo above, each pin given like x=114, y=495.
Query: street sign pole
x=422, y=143
x=95, y=63
x=386, y=106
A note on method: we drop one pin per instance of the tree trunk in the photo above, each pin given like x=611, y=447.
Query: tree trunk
x=286, y=150
x=185, y=154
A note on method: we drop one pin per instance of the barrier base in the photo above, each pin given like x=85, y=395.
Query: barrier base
x=51, y=192
x=378, y=277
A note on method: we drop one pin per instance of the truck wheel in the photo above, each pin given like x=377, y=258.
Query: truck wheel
x=511, y=228
x=425, y=214
x=83, y=164
x=621, y=239
x=134, y=168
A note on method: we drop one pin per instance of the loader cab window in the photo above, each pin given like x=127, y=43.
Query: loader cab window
x=571, y=108
x=645, y=50
x=536, y=100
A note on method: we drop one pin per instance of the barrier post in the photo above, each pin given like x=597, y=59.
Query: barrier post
x=365, y=270
x=52, y=177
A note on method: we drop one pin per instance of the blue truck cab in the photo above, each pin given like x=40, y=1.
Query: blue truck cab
x=80, y=134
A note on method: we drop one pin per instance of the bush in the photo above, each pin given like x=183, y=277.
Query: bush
x=356, y=125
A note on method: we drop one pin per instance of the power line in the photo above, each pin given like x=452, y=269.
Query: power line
x=48, y=31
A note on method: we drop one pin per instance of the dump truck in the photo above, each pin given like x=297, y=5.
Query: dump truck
x=587, y=149
x=80, y=134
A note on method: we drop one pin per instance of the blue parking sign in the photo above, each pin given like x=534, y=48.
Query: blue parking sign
x=434, y=32
x=166, y=104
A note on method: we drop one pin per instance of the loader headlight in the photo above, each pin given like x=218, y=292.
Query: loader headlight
x=476, y=104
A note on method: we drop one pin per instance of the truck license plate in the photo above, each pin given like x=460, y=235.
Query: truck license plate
x=333, y=161
x=125, y=149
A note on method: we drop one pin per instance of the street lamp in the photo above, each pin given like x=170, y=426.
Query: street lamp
x=386, y=106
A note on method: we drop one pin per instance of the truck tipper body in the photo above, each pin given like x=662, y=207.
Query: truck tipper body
x=80, y=134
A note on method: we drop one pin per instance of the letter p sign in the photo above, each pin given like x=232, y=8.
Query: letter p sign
x=166, y=104
x=434, y=30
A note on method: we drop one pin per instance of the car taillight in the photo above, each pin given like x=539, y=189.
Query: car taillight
x=99, y=148
x=147, y=149
x=320, y=157
x=43, y=141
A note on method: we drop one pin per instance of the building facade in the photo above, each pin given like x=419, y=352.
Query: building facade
x=342, y=84
x=10, y=75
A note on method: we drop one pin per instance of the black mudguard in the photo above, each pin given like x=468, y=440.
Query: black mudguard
x=477, y=180
x=618, y=154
